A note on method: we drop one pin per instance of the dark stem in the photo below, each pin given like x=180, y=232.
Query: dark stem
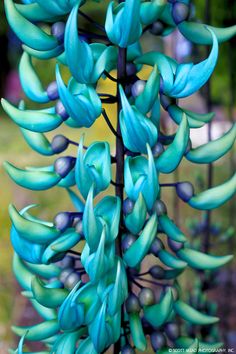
x=88, y=18
x=120, y=153
x=110, y=76
x=115, y=132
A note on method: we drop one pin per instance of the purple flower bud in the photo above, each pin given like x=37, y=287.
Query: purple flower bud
x=63, y=165
x=146, y=297
x=79, y=227
x=158, y=340
x=157, y=149
x=127, y=349
x=59, y=143
x=58, y=31
x=62, y=221
x=180, y=12
x=172, y=330
x=128, y=206
x=52, y=91
x=132, y=304
x=72, y=280
x=157, y=28
x=157, y=272
x=127, y=241
x=61, y=111
x=131, y=69
x=156, y=246
x=138, y=87
x=67, y=262
x=174, y=245
x=159, y=208
x=185, y=190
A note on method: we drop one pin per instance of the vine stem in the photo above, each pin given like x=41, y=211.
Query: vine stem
x=120, y=153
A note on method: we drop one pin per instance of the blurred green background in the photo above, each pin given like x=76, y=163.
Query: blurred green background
x=13, y=307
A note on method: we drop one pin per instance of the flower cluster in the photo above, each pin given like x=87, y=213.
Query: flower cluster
x=95, y=298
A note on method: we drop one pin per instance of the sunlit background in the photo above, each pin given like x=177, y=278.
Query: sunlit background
x=13, y=307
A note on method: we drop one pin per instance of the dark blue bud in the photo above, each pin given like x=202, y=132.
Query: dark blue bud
x=172, y=330
x=158, y=340
x=157, y=272
x=185, y=190
x=61, y=111
x=138, y=87
x=132, y=304
x=156, y=247
x=157, y=149
x=146, y=297
x=72, y=280
x=157, y=28
x=127, y=241
x=62, y=221
x=128, y=206
x=159, y=208
x=131, y=69
x=52, y=91
x=63, y=165
x=58, y=31
x=67, y=262
x=59, y=143
x=180, y=12
x=127, y=349
x=174, y=245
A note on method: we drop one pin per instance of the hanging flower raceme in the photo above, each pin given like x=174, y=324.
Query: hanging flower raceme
x=106, y=273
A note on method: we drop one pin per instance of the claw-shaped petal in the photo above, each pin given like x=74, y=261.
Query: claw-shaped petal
x=27, y=32
x=137, y=130
x=36, y=179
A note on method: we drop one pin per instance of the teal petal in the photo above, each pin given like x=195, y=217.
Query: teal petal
x=193, y=316
x=38, y=332
x=213, y=150
x=137, y=332
x=198, y=32
x=151, y=11
x=27, y=32
x=128, y=13
x=214, y=197
x=198, y=74
x=98, y=330
x=145, y=101
x=169, y=160
x=30, y=230
x=38, y=142
x=51, y=298
x=36, y=121
x=199, y=260
x=119, y=291
x=70, y=316
x=92, y=228
x=135, y=220
x=35, y=179
x=84, y=107
x=30, y=82
x=136, y=129
x=86, y=346
x=135, y=254
x=158, y=314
